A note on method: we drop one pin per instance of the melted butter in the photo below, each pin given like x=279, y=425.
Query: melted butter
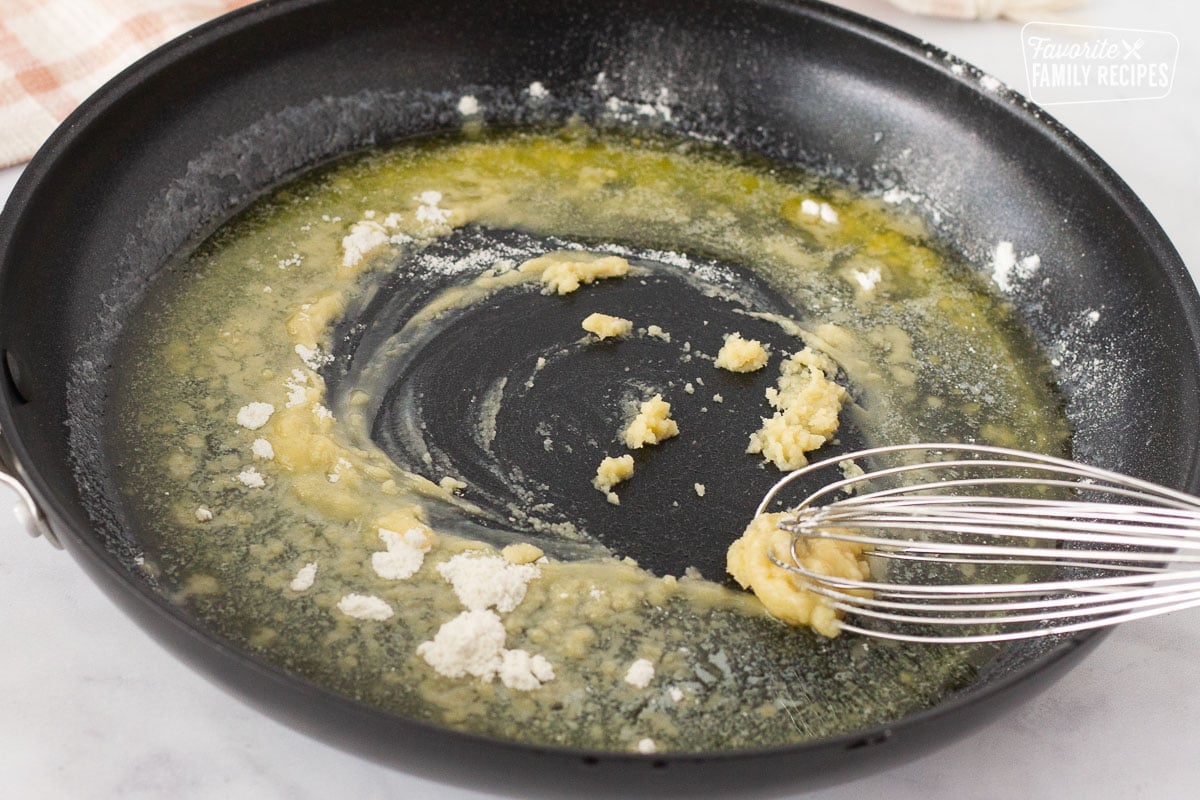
x=227, y=328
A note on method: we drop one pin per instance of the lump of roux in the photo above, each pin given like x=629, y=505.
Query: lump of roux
x=613, y=470
x=653, y=424
x=782, y=592
x=564, y=271
x=742, y=355
x=807, y=405
x=605, y=326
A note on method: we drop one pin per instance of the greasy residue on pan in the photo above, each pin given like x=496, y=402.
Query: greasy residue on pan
x=690, y=634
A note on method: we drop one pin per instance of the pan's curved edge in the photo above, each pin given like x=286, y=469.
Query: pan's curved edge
x=108, y=573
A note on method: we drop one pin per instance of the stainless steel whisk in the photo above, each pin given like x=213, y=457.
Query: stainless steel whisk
x=970, y=543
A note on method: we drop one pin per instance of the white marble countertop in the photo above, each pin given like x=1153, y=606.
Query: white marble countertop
x=90, y=706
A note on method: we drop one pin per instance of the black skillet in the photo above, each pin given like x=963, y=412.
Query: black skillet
x=192, y=133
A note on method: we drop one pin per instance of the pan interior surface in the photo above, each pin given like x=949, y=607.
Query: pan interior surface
x=363, y=370
x=245, y=106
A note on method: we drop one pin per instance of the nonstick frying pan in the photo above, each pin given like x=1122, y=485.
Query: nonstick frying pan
x=192, y=133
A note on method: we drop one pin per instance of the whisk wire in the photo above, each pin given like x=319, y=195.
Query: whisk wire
x=987, y=544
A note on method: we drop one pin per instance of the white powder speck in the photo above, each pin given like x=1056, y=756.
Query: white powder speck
x=640, y=673
x=828, y=214
x=429, y=213
x=1007, y=269
x=625, y=110
x=1093, y=317
x=365, y=606
x=262, y=449
x=321, y=412
x=990, y=83
x=647, y=747
x=305, y=576
x=252, y=478
x=810, y=208
x=203, y=514
x=468, y=105
x=867, y=279
x=521, y=671
x=470, y=644
x=312, y=357
x=662, y=103
x=295, y=385
x=1003, y=261
x=404, y=555
x=255, y=415
x=897, y=195
x=483, y=581
x=340, y=468
x=700, y=489
x=675, y=693
x=364, y=237
x=537, y=91
x=957, y=69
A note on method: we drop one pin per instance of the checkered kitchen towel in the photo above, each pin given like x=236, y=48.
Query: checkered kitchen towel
x=54, y=53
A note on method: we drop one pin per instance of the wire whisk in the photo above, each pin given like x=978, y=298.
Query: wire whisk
x=971, y=544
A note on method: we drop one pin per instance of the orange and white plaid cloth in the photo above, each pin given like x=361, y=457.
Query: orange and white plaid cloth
x=54, y=53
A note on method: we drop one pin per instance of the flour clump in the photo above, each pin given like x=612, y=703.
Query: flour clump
x=519, y=670
x=254, y=415
x=404, y=555
x=483, y=581
x=640, y=673
x=365, y=606
x=469, y=644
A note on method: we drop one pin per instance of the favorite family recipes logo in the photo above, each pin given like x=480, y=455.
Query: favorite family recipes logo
x=1086, y=64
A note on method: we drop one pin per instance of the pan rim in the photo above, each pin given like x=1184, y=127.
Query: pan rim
x=99, y=104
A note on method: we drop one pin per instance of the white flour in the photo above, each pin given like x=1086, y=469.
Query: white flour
x=482, y=581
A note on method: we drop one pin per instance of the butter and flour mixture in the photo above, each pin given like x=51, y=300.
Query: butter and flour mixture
x=324, y=469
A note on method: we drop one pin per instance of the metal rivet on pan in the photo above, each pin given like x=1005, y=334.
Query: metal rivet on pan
x=27, y=511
